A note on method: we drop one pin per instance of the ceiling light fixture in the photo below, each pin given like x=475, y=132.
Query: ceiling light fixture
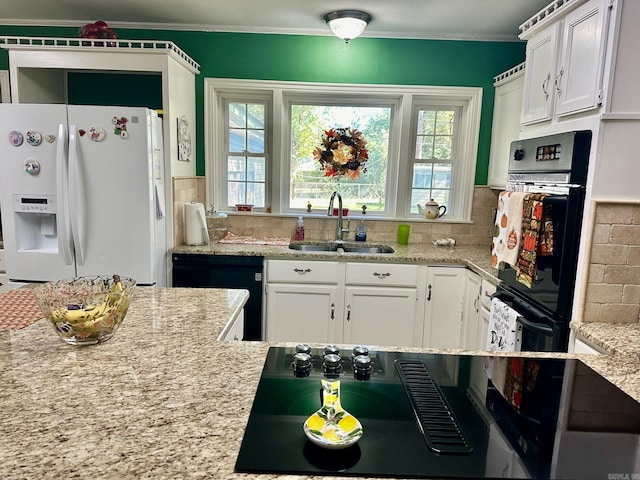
x=347, y=24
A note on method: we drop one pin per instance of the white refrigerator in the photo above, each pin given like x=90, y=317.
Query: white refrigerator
x=81, y=192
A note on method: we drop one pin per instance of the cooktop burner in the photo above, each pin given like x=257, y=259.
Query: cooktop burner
x=444, y=416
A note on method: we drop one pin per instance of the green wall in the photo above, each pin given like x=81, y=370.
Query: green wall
x=134, y=90
x=328, y=59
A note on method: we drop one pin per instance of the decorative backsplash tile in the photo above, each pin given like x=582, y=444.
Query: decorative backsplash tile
x=613, y=290
x=192, y=189
x=185, y=190
x=378, y=231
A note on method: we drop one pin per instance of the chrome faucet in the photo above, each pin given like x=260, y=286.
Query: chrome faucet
x=340, y=231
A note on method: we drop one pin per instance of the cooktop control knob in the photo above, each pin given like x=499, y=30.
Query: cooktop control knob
x=331, y=349
x=303, y=348
x=362, y=367
x=360, y=350
x=331, y=365
x=301, y=364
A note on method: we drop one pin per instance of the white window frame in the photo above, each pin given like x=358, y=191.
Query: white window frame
x=453, y=209
x=401, y=138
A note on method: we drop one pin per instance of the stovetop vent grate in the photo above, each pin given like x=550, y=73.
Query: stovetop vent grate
x=433, y=413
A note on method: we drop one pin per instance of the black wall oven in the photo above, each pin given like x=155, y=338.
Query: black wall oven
x=554, y=165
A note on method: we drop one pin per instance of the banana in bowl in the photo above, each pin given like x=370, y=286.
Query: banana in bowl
x=85, y=310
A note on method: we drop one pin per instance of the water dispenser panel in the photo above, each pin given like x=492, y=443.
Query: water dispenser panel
x=34, y=203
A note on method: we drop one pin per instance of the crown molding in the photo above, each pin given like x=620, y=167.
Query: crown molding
x=324, y=32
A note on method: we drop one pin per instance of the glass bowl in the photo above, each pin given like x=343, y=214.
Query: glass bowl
x=85, y=310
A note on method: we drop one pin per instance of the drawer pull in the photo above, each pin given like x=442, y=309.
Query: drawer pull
x=333, y=311
x=429, y=297
x=348, y=313
x=381, y=275
x=300, y=270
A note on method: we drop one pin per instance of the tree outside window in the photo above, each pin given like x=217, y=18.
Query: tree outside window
x=308, y=183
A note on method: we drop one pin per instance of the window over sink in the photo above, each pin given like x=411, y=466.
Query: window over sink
x=261, y=135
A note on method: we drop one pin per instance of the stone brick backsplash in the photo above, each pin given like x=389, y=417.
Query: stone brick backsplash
x=378, y=231
x=185, y=190
x=613, y=289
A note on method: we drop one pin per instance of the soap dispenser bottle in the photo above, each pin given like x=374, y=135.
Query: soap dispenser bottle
x=299, y=235
x=361, y=232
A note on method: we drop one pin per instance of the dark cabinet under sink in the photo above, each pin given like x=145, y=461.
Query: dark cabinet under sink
x=225, y=271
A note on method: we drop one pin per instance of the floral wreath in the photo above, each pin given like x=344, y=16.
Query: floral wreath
x=343, y=153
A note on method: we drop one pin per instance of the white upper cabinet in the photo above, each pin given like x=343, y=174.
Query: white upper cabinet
x=565, y=59
x=506, y=122
x=538, y=98
x=578, y=81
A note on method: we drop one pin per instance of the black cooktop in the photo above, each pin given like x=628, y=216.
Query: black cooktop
x=511, y=417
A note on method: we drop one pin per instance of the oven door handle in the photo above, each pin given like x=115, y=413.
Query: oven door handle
x=536, y=327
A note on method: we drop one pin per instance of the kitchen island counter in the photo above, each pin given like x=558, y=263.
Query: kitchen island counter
x=162, y=399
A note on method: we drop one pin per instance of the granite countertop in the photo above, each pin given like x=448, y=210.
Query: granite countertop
x=162, y=399
x=476, y=257
x=614, y=338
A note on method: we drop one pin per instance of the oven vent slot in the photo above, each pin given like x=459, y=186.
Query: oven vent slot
x=435, y=417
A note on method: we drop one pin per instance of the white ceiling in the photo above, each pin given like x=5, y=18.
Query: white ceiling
x=437, y=19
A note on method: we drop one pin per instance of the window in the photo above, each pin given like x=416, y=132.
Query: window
x=246, y=153
x=434, y=156
x=261, y=136
x=308, y=183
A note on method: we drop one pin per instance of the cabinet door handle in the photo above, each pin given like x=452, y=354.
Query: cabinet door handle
x=300, y=270
x=348, y=313
x=545, y=84
x=333, y=311
x=557, y=82
x=381, y=275
x=429, y=296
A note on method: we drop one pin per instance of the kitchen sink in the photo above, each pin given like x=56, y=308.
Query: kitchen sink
x=314, y=247
x=369, y=249
x=339, y=247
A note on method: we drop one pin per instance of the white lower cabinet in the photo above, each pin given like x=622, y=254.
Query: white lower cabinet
x=472, y=292
x=381, y=316
x=487, y=290
x=342, y=302
x=385, y=304
x=304, y=313
x=304, y=301
x=582, y=346
x=478, y=293
x=381, y=304
x=236, y=330
x=443, y=307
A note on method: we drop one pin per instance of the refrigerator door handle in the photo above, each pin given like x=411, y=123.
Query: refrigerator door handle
x=62, y=180
x=75, y=202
